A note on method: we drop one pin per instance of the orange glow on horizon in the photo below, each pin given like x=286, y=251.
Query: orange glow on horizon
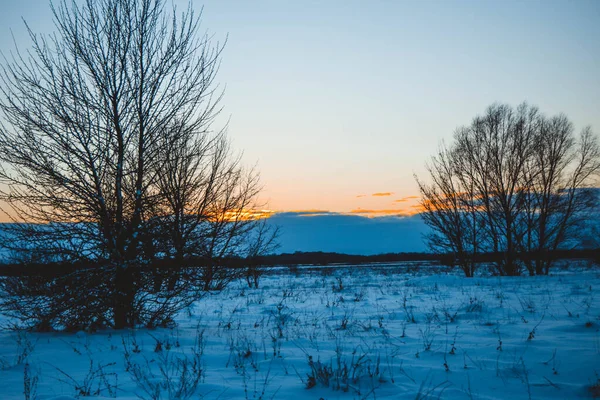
x=248, y=215
x=365, y=203
x=370, y=204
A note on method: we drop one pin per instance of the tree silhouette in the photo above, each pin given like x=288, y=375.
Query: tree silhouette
x=108, y=155
x=513, y=183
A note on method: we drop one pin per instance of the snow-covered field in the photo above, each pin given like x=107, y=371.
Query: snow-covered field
x=397, y=332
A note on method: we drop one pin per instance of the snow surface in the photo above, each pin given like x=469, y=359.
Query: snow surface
x=398, y=330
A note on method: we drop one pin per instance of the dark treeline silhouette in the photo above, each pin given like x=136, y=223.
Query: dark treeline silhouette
x=243, y=266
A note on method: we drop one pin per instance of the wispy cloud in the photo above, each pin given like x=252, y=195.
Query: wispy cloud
x=359, y=212
x=382, y=194
x=381, y=213
x=417, y=208
x=309, y=211
x=361, y=195
x=405, y=199
x=246, y=215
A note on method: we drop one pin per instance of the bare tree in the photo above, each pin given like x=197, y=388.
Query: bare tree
x=497, y=146
x=208, y=203
x=449, y=207
x=524, y=177
x=558, y=201
x=262, y=242
x=100, y=121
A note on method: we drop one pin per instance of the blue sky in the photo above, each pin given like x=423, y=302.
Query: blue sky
x=338, y=100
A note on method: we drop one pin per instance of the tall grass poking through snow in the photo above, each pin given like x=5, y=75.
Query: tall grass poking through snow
x=337, y=333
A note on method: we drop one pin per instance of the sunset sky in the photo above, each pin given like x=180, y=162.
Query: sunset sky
x=339, y=103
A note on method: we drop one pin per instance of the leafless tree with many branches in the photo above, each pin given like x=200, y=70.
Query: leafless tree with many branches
x=108, y=157
x=514, y=183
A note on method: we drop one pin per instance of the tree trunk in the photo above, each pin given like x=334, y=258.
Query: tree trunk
x=124, y=296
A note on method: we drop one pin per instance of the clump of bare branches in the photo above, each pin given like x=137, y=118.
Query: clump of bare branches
x=514, y=184
x=109, y=163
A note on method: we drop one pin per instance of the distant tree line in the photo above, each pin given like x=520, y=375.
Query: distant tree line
x=514, y=183
x=254, y=267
